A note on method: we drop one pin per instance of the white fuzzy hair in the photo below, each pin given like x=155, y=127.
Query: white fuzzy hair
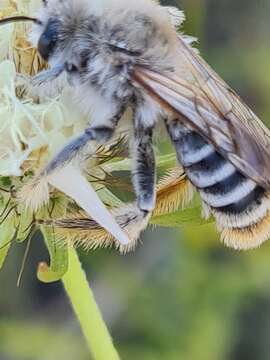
x=165, y=17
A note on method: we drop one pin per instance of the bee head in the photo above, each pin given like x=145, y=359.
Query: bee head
x=58, y=33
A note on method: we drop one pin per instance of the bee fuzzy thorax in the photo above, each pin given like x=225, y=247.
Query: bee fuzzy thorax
x=101, y=50
x=101, y=8
x=106, y=16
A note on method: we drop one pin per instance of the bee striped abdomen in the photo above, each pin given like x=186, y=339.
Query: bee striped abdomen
x=237, y=202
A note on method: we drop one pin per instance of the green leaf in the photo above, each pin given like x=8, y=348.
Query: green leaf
x=8, y=233
x=25, y=227
x=3, y=253
x=109, y=198
x=165, y=161
x=180, y=218
x=5, y=181
x=58, y=259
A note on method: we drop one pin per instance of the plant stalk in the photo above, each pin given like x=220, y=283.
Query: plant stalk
x=86, y=309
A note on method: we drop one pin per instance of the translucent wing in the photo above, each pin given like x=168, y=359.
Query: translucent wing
x=208, y=105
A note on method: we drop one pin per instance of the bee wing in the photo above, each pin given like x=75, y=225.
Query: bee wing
x=208, y=105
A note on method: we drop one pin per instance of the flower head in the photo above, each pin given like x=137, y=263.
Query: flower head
x=31, y=131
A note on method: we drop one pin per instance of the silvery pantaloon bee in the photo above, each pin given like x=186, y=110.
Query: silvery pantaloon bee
x=128, y=54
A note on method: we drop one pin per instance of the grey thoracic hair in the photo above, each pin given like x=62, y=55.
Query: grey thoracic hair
x=102, y=46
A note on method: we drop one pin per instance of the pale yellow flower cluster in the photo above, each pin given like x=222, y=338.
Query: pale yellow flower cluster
x=30, y=130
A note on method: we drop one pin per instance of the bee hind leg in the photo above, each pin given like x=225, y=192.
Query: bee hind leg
x=144, y=173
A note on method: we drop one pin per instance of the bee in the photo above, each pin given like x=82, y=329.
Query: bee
x=120, y=55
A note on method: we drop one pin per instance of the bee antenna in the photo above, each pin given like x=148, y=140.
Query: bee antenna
x=18, y=18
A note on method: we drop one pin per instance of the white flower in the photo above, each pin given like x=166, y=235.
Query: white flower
x=27, y=126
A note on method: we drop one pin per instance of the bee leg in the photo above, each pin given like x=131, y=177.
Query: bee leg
x=77, y=148
x=144, y=173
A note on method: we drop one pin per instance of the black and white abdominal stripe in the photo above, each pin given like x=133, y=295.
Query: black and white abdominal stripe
x=234, y=199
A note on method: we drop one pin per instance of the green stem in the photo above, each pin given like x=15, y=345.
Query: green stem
x=87, y=311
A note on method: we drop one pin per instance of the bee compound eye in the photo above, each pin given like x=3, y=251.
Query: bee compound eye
x=45, y=46
x=48, y=39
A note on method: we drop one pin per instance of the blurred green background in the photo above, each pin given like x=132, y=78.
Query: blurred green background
x=181, y=295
